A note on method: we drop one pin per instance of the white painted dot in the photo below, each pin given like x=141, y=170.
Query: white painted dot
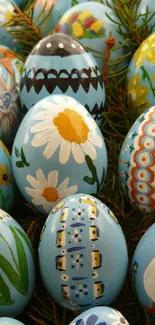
x=81, y=47
x=61, y=46
x=73, y=46
x=38, y=46
x=48, y=45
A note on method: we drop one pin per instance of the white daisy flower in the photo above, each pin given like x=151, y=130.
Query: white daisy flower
x=45, y=192
x=66, y=124
x=118, y=318
x=6, y=9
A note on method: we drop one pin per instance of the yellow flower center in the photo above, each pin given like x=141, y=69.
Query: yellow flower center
x=9, y=16
x=71, y=126
x=50, y=194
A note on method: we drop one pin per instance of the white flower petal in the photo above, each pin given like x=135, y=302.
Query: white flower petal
x=69, y=191
x=46, y=124
x=95, y=139
x=112, y=316
x=89, y=149
x=41, y=138
x=38, y=200
x=91, y=123
x=60, y=101
x=41, y=178
x=64, y=184
x=65, y=150
x=33, y=182
x=52, y=146
x=42, y=116
x=78, y=153
x=53, y=178
x=33, y=193
x=48, y=206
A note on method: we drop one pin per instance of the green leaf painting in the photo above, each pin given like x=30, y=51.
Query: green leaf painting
x=94, y=178
x=17, y=274
x=22, y=162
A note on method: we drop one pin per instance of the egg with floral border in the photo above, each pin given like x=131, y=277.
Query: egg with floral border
x=10, y=110
x=58, y=151
x=81, y=245
x=146, y=9
x=100, y=315
x=141, y=77
x=59, y=8
x=9, y=321
x=137, y=161
x=7, y=183
x=90, y=24
x=59, y=64
x=6, y=11
x=17, y=270
x=143, y=270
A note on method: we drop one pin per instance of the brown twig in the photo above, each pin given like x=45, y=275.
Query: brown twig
x=110, y=42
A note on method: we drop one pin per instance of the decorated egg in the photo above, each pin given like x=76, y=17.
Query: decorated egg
x=12, y=63
x=59, y=7
x=58, y=151
x=100, y=315
x=143, y=270
x=6, y=11
x=60, y=65
x=7, y=184
x=89, y=23
x=17, y=270
x=10, y=111
x=141, y=77
x=136, y=162
x=146, y=7
x=81, y=245
x=9, y=321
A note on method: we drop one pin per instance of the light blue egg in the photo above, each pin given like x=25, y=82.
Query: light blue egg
x=146, y=5
x=7, y=183
x=100, y=315
x=143, y=270
x=137, y=160
x=141, y=76
x=89, y=23
x=58, y=150
x=60, y=65
x=81, y=245
x=9, y=321
x=17, y=270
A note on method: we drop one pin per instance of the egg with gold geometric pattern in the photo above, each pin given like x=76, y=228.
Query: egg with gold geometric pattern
x=83, y=246
x=141, y=77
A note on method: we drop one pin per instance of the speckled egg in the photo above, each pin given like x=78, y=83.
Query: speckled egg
x=81, y=246
x=143, y=270
x=17, y=270
x=60, y=65
x=7, y=184
x=100, y=315
x=89, y=23
x=141, y=77
x=59, y=7
x=137, y=161
x=6, y=11
x=144, y=7
x=58, y=150
x=9, y=321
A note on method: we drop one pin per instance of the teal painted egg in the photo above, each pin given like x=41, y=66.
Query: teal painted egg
x=17, y=270
x=141, y=77
x=143, y=270
x=84, y=248
x=89, y=23
x=57, y=65
x=58, y=151
x=100, y=315
x=137, y=161
x=9, y=321
x=7, y=184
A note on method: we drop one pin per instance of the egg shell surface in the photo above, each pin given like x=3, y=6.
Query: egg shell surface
x=9, y=321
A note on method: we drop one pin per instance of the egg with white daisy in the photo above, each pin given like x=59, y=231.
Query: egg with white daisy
x=58, y=151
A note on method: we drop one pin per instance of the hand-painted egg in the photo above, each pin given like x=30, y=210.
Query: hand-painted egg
x=143, y=271
x=59, y=7
x=100, y=315
x=141, y=77
x=10, y=111
x=89, y=23
x=12, y=63
x=21, y=3
x=146, y=7
x=7, y=184
x=6, y=11
x=9, y=321
x=137, y=161
x=17, y=270
x=60, y=65
x=83, y=247
x=58, y=150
